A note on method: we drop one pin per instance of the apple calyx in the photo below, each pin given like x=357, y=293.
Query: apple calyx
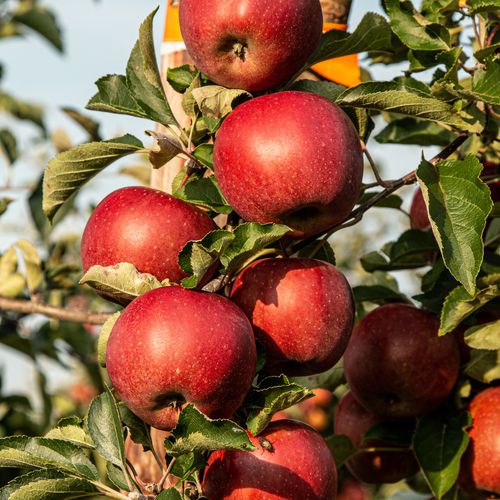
x=240, y=50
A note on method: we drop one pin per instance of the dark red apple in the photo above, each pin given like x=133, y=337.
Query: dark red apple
x=480, y=468
x=292, y=158
x=352, y=490
x=354, y=421
x=397, y=366
x=292, y=462
x=250, y=44
x=419, y=218
x=171, y=346
x=301, y=310
x=145, y=227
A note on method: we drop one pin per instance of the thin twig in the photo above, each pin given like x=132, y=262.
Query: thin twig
x=136, y=479
x=374, y=167
x=165, y=474
x=109, y=491
x=73, y=315
x=356, y=215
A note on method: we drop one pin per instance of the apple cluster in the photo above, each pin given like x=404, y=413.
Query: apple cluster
x=284, y=157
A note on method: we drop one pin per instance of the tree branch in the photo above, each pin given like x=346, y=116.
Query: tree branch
x=391, y=186
x=73, y=315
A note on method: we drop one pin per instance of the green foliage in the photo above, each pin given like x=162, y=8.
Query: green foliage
x=458, y=204
x=196, y=432
x=439, y=442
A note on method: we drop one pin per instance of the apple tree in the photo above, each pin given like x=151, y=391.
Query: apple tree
x=222, y=306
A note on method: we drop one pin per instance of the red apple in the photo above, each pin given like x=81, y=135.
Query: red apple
x=419, y=218
x=480, y=468
x=352, y=490
x=354, y=421
x=301, y=310
x=250, y=44
x=145, y=227
x=292, y=158
x=292, y=462
x=397, y=366
x=172, y=346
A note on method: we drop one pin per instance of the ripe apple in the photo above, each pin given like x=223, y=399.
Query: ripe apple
x=301, y=310
x=171, y=346
x=419, y=218
x=292, y=462
x=480, y=467
x=291, y=158
x=354, y=421
x=397, y=366
x=250, y=44
x=145, y=227
x=352, y=490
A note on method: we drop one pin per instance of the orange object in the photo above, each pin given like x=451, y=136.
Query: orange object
x=343, y=70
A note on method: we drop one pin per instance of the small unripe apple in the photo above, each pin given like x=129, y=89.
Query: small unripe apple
x=480, y=467
x=301, y=310
x=250, y=44
x=292, y=462
x=396, y=364
x=145, y=227
x=292, y=158
x=354, y=421
x=172, y=346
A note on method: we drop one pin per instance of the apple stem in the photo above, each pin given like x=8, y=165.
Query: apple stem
x=240, y=50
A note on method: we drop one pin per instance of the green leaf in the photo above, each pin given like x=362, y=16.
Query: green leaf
x=40, y=19
x=459, y=304
x=69, y=171
x=32, y=264
x=8, y=145
x=188, y=464
x=341, y=447
x=330, y=379
x=47, y=485
x=169, y=494
x=117, y=476
x=484, y=365
x=486, y=83
x=438, y=443
x=197, y=257
x=22, y=110
x=476, y=6
x=325, y=253
x=217, y=102
x=372, y=33
x=329, y=90
x=114, y=96
x=414, y=131
x=414, y=30
x=249, y=238
x=180, y=78
x=70, y=429
x=140, y=432
x=486, y=336
x=104, y=334
x=204, y=192
x=122, y=281
x=143, y=77
x=43, y=453
x=393, y=97
x=12, y=282
x=4, y=204
x=105, y=429
x=196, y=432
x=204, y=153
x=410, y=251
x=273, y=394
x=458, y=202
